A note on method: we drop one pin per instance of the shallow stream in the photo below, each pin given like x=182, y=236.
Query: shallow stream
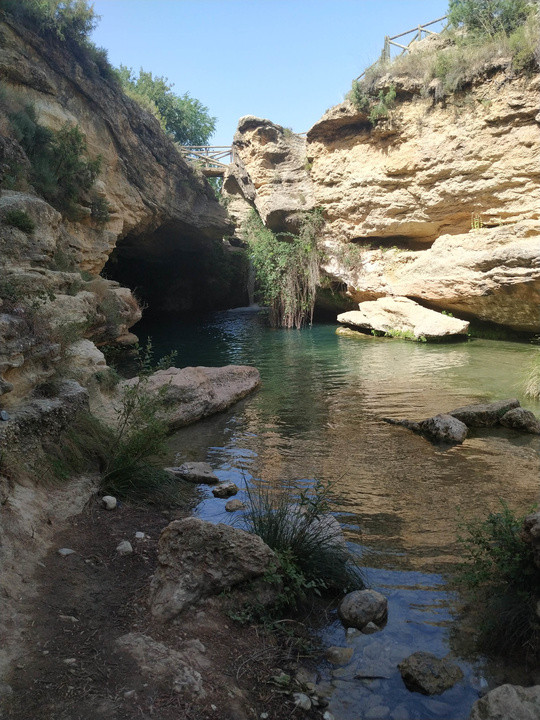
x=318, y=415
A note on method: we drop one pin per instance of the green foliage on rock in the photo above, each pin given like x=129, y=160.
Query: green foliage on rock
x=489, y=17
x=67, y=21
x=287, y=268
x=185, y=118
x=500, y=574
x=62, y=171
x=21, y=220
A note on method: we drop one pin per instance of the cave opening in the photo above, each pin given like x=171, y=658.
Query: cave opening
x=174, y=271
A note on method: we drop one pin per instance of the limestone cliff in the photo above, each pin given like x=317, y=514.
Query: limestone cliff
x=439, y=202
x=162, y=214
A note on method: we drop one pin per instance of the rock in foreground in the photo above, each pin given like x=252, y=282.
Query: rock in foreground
x=361, y=607
x=399, y=315
x=445, y=429
x=522, y=420
x=198, y=559
x=425, y=673
x=508, y=701
x=193, y=393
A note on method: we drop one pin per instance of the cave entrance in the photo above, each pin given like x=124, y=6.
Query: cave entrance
x=173, y=271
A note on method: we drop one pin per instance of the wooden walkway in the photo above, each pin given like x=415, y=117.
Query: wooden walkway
x=420, y=33
x=209, y=157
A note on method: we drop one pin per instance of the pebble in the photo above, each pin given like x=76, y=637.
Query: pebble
x=339, y=655
x=140, y=535
x=64, y=552
x=264, y=716
x=302, y=701
x=124, y=548
x=70, y=661
x=129, y=693
x=109, y=502
x=234, y=505
x=4, y=415
x=328, y=716
x=370, y=628
x=377, y=713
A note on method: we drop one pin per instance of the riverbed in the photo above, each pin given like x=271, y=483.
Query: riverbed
x=319, y=415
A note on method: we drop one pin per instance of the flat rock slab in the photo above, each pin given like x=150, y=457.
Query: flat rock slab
x=192, y=393
x=425, y=673
x=400, y=314
x=484, y=414
x=195, y=472
x=508, y=701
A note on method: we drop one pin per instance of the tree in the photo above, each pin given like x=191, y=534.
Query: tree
x=68, y=19
x=489, y=17
x=185, y=118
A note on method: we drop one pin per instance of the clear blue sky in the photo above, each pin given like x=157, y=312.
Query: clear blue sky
x=285, y=60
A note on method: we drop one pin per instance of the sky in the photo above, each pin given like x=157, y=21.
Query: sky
x=284, y=60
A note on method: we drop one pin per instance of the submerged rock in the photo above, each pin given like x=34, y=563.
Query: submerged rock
x=195, y=472
x=361, y=607
x=521, y=419
x=198, y=559
x=339, y=655
x=484, y=414
x=444, y=428
x=399, y=315
x=508, y=701
x=425, y=673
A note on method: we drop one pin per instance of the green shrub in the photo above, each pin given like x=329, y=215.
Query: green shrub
x=499, y=573
x=311, y=552
x=489, y=17
x=62, y=171
x=287, y=268
x=532, y=382
x=21, y=220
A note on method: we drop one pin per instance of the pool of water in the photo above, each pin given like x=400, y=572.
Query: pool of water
x=319, y=414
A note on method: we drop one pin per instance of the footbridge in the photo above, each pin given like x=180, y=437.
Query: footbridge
x=212, y=159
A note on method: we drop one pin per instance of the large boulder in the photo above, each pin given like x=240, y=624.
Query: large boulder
x=521, y=419
x=508, y=701
x=198, y=559
x=484, y=414
x=425, y=673
x=192, y=393
x=445, y=429
x=361, y=607
x=399, y=315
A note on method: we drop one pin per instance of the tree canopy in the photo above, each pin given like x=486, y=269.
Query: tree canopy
x=185, y=118
x=489, y=17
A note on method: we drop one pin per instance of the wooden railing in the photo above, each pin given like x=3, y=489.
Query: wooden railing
x=210, y=157
x=420, y=33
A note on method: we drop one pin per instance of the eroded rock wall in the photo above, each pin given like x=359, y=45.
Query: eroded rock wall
x=440, y=202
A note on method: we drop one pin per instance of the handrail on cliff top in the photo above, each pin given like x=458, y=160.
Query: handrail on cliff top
x=388, y=41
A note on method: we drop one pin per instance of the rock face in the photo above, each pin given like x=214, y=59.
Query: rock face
x=192, y=393
x=197, y=559
x=508, y=701
x=425, y=673
x=423, y=205
x=401, y=315
x=361, y=607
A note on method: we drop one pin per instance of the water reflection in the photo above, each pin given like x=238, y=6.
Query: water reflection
x=318, y=414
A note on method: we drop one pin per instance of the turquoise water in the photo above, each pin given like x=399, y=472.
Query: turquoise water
x=318, y=415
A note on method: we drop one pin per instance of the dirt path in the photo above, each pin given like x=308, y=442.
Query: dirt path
x=87, y=600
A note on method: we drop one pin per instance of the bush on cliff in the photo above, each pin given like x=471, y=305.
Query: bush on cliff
x=481, y=33
x=287, y=268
